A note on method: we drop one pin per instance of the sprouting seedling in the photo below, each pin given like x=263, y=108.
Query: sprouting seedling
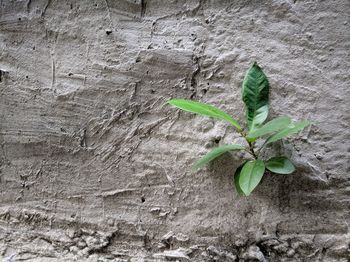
x=255, y=94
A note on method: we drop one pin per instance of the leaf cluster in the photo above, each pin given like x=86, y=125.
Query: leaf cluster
x=255, y=95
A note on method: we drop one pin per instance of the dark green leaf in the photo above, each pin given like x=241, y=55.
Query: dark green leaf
x=251, y=175
x=291, y=129
x=270, y=127
x=214, y=154
x=236, y=178
x=255, y=96
x=280, y=165
x=204, y=109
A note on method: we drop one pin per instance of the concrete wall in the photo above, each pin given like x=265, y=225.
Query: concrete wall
x=94, y=165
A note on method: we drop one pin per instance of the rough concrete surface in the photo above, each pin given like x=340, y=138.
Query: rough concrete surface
x=95, y=167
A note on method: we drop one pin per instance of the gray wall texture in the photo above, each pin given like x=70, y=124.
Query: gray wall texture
x=95, y=167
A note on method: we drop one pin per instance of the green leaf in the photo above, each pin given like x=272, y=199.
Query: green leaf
x=236, y=178
x=260, y=117
x=251, y=175
x=280, y=165
x=214, y=154
x=203, y=109
x=270, y=127
x=291, y=129
x=255, y=95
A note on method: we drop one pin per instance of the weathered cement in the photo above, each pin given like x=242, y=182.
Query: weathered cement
x=94, y=165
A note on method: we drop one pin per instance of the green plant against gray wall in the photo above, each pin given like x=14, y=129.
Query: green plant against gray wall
x=255, y=94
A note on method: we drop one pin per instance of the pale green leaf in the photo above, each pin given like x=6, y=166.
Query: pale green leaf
x=260, y=117
x=280, y=165
x=255, y=94
x=216, y=152
x=203, y=109
x=251, y=175
x=291, y=129
x=272, y=126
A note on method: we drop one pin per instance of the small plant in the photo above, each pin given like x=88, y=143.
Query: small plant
x=255, y=94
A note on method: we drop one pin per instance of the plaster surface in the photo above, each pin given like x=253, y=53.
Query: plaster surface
x=95, y=167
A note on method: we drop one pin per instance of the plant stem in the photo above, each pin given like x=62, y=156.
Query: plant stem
x=251, y=146
x=249, y=152
x=259, y=150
